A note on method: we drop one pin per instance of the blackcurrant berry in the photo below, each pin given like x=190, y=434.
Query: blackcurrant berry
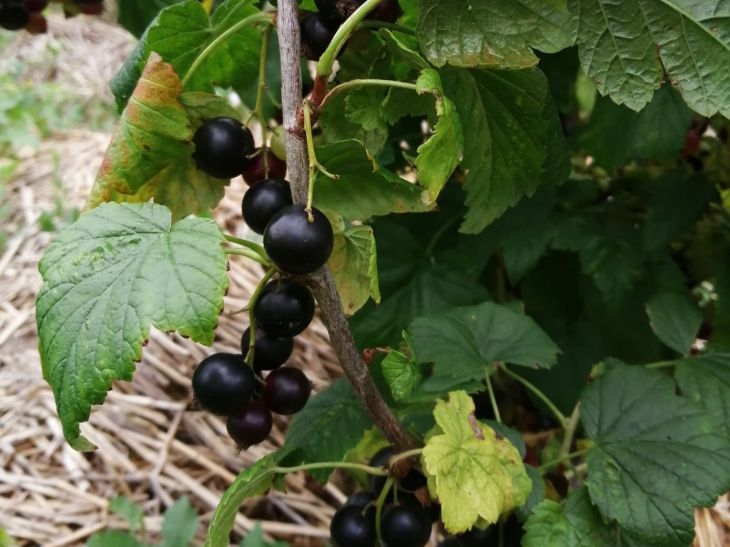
x=37, y=23
x=410, y=483
x=35, y=6
x=297, y=245
x=222, y=146
x=405, y=524
x=269, y=352
x=91, y=7
x=286, y=390
x=13, y=15
x=251, y=425
x=223, y=383
x=255, y=171
x=361, y=499
x=263, y=201
x=387, y=11
x=284, y=308
x=477, y=538
x=317, y=33
x=353, y=526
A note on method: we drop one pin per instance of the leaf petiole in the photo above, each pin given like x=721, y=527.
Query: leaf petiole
x=365, y=82
x=561, y=459
x=492, y=399
x=374, y=24
x=246, y=243
x=262, y=17
x=540, y=395
x=251, y=322
x=314, y=165
x=324, y=66
x=248, y=254
x=259, y=108
x=379, y=506
x=340, y=465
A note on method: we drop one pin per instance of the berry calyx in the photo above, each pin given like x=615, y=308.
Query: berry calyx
x=269, y=352
x=13, y=15
x=263, y=201
x=252, y=425
x=223, y=383
x=405, y=524
x=297, y=245
x=353, y=526
x=255, y=172
x=284, y=308
x=317, y=33
x=286, y=390
x=222, y=146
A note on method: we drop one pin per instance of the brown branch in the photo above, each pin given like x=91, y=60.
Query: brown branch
x=321, y=282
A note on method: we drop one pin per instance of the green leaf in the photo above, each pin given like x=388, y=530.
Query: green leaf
x=655, y=455
x=136, y=15
x=401, y=371
x=705, y=380
x=130, y=511
x=113, y=538
x=439, y=156
x=254, y=481
x=626, y=47
x=675, y=319
x=255, y=538
x=110, y=276
x=615, y=135
x=575, y=523
x=179, y=525
x=150, y=156
x=181, y=32
x=537, y=494
x=463, y=341
x=200, y=107
x=364, y=189
x=496, y=34
x=354, y=265
x=471, y=472
x=331, y=424
x=508, y=128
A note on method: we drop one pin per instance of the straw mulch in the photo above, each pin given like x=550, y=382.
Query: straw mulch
x=150, y=447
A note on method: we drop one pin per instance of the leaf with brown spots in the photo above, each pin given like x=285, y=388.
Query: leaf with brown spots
x=150, y=155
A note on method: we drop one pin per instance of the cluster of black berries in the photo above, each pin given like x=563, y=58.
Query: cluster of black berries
x=298, y=242
x=28, y=14
x=404, y=521
x=319, y=28
x=224, y=149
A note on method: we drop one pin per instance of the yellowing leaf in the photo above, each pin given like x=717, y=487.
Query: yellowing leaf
x=471, y=472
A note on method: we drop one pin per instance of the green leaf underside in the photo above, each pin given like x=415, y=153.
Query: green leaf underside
x=136, y=15
x=675, y=319
x=471, y=472
x=461, y=342
x=181, y=32
x=150, y=155
x=655, y=457
x=705, y=380
x=354, y=265
x=626, y=46
x=127, y=509
x=331, y=424
x=495, y=34
x=509, y=128
x=575, y=523
x=254, y=481
x=109, y=277
x=401, y=374
x=180, y=524
x=363, y=189
x=113, y=538
x=255, y=538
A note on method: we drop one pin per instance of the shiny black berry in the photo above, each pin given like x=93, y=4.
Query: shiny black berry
x=35, y=6
x=269, y=352
x=263, y=201
x=362, y=499
x=285, y=308
x=286, y=390
x=410, y=483
x=317, y=33
x=295, y=244
x=222, y=146
x=353, y=526
x=478, y=538
x=405, y=524
x=251, y=425
x=13, y=15
x=223, y=383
